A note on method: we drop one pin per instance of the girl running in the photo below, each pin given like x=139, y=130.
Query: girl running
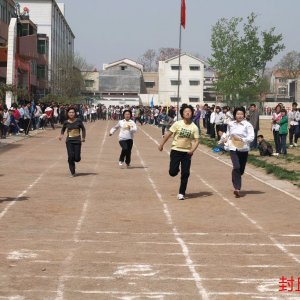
x=184, y=133
x=74, y=126
x=127, y=130
x=239, y=135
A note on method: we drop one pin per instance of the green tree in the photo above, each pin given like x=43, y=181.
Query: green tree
x=239, y=55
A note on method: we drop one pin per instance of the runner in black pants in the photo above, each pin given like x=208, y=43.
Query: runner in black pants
x=127, y=129
x=185, y=142
x=74, y=127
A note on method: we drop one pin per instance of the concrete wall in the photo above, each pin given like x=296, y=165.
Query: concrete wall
x=115, y=79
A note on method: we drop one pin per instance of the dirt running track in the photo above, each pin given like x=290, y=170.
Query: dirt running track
x=115, y=233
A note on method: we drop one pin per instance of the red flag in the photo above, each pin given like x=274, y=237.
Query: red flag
x=183, y=8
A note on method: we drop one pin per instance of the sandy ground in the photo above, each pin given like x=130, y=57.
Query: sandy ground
x=114, y=233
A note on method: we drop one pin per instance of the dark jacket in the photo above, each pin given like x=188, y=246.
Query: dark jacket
x=254, y=119
x=265, y=148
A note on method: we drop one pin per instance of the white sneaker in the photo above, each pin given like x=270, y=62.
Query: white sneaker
x=180, y=197
x=275, y=154
x=120, y=164
x=295, y=145
x=291, y=146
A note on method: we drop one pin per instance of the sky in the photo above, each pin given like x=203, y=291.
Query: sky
x=110, y=30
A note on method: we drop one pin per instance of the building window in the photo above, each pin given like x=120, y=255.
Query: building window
x=41, y=72
x=150, y=84
x=25, y=29
x=174, y=99
x=42, y=46
x=123, y=68
x=89, y=83
x=175, y=67
x=282, y=91
x=175, y=82
x=282, y=80
x=195, y=68
x=194, y=99
x=194, y=82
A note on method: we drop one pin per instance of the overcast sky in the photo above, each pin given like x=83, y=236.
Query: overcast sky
x=109, y=30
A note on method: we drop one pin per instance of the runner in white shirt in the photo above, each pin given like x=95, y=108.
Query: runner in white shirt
x=127, y=130
x=239, y=135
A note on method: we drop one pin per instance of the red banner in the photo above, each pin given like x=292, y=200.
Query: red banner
x=183, y=13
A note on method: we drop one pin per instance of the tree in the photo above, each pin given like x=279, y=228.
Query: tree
x=151, y=58
x=67, y=81
x=148, y=60
x=290, y=64
x=166, y=53
x=240, y=58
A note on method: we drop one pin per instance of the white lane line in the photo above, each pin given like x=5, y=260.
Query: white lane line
x=62, y=279
x=197, y=279
x=242, y=280
x=252, y=221
x=168, y=243
x=130, y=293
x=29, y=187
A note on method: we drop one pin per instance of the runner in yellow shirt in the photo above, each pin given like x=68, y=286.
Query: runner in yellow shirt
x=185, y=142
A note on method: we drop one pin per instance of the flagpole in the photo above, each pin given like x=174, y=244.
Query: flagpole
x=179, y=59
x=178, y=82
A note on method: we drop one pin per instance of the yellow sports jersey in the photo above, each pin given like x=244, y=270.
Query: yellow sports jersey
x=183, y=135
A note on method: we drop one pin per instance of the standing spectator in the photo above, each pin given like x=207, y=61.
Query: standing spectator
x=283, y=131
x=276, y=117
x=219, y=120
x=212, y=120
x=27, y=118
x=1, y=121
x=254, y=120
x=197, y=117
x=207, y=120
x=163, y=120
x=228, y=117
x=55, y=113
x=203, y=115
x=6, y=123
x=294, y=118
x=37, y=113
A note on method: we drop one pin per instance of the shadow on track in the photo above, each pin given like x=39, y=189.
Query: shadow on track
x=86, y=174
x=198, y=195
x=9, y=199
x=244, y=193
x=137, y=167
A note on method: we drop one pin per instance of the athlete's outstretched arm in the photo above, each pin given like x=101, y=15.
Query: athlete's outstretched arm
x=165, y=139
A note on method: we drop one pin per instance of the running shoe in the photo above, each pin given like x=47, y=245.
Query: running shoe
x=180, y=197
x=237, y=194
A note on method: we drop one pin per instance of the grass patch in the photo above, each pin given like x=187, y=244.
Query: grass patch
x=277, y=171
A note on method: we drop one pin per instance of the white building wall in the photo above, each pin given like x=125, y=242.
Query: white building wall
x=166, y=74
x=11, y=54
